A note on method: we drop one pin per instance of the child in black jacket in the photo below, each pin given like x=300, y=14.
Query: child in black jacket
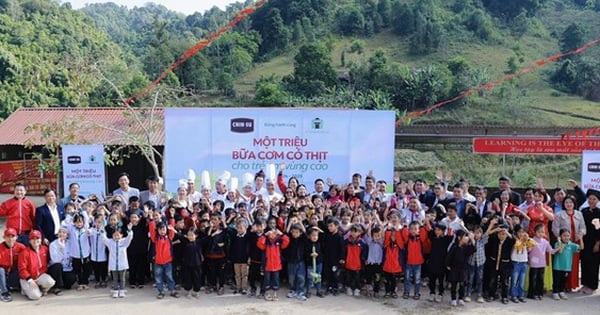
x=498, y=262
x=313, y=250
x=191, y=250
x=333, y=248
x=255, y=272
x=436, y=264
x=239, y=253
x=137, y=252
x=457, y=262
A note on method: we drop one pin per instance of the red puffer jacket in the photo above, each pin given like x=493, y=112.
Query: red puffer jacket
x=32, y=264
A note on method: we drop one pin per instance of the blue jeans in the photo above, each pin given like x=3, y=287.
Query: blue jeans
x=162, y=272
x=3, y=280
x=475, y=279
x=310, y=283
x=517, y=288
x=296, y=276
x=271, y=280
x=412, y=273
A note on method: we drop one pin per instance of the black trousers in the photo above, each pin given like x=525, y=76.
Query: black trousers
x=590, y=263
x=255, y=275
x=138, y=268
x=503, y=276
x=191, y=277
x=216, y=272
x=83, y=269
x=100, y=270
x=461, y=289
x=439, y=279
x=391, y=280
x=353, y=279
x=536, y=282
x=374, y=276
x=64, y=279
x=559, y=279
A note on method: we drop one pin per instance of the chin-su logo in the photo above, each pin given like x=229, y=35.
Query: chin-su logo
x=242, y=125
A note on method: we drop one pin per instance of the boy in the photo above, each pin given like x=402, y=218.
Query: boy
x=475, y=265
x=239, y=252
x=163, y=259
x=373, y=267
x=498, y=251
x=356, y=251
x=255, y=272
x=295, y=259
x=333, y=249
x=272, y=243
x=313, y=251
x=9, y=256
x=437, y=261
x=393, y=244
x=216, y=254
x=137, y=252
x=414, y=238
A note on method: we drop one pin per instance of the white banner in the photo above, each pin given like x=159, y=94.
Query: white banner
x=590, y=170
x=84, y=164
x=313, y=143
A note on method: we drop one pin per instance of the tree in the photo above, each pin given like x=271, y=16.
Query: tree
x=313, y=71
x=384, y=8
x=572, y=37
x=269, y=93
x=275, y=34
x=351, y=21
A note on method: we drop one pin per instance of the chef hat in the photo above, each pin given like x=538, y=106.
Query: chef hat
x=270, y=174
x=182, y=183
x=248, y=179
x=191, y=176
x=233, y=184
x=205, y=180
x=224, y=178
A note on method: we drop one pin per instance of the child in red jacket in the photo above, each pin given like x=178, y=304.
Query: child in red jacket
x=272, y=243
x=392, y=245
x=356, y=254
x=33, y=268
x=415, y=240
x=163, y=259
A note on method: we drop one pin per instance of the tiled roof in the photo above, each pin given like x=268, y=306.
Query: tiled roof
x=99, y=125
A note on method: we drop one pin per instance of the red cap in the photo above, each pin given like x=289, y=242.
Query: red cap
x=35, y=234
x=10, y=232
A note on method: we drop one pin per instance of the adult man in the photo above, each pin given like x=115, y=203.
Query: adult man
x=369, y=191
x=356, y=179
x=320, y=189
x=124, y=189
x=425, y=196
x=458, y=200
x=33, y=265
x=19, y=212
x=153, y=193
x=49, y=216
x=9, y=259
x=504, y=184
x=192, y=192
x=73, y=196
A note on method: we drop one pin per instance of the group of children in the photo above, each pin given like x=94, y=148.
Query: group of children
x=315, y=251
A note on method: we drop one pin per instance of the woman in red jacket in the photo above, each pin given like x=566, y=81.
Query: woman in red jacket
x=33, y=265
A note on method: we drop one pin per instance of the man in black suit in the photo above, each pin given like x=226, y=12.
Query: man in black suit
x=504, y=183
x=424, y=194
x=49, y=216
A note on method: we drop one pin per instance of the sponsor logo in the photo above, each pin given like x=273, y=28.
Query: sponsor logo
x=317, y=124
x=242, y=125
x=594, y=167
x=74, y=159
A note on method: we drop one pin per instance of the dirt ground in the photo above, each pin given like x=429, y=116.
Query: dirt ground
x=96, y=301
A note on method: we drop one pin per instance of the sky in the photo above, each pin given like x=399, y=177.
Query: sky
x=183, y=6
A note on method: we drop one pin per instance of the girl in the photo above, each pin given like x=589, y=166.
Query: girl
x=313, y=251
x=437, y=260
x=192, y=257
x=98, y=252
x=114, y=224
x=117, y=259
x=572, y=221
x=78, y=245
x=272, y=243
x=523, y=245
x=392, y=245
x=163, y=258
x=562, y=263
x=537, y=262
x=215, y=254
x=137, y=252
x=456, y=263
x=476, y=263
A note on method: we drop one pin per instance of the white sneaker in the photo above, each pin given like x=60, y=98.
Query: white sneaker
x=480, y=299
x=555, y=296
x=122, y=293
x=467, y=299
x=563, y=296
x=453, y=303
x=356, y=292
x=440, y=298
x=115, y=294
x=432, y=298
x=291, y=294
x=348, y=292
x=461, y=303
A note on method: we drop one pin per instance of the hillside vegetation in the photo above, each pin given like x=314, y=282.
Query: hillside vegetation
x=396, y=55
